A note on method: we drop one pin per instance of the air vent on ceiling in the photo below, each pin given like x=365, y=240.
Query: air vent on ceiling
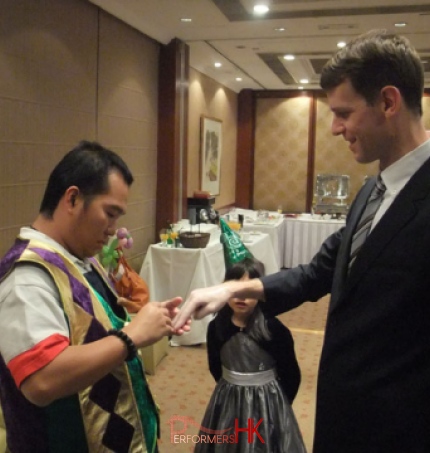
x=318, y=64
x=337, y=27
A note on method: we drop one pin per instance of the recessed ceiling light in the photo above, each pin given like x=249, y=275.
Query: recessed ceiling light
x=217, y=64
x=341, y=44
x=186, y=19
x=289, y=57
x=238, y=79
x=300, y=88
x=279, y=29
x=261, y=9
x=400, y=24
x=304, y=81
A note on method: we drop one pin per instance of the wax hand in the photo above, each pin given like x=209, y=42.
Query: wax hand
x=201, y=303
x=172, y=306
x=153, y=321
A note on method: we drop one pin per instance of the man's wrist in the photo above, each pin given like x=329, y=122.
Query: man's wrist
x=246, y=289
x=131, y=347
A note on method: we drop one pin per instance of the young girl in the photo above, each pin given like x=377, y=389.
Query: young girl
x=253, y=361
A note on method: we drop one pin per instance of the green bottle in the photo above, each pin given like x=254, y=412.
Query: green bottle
x=169, y=239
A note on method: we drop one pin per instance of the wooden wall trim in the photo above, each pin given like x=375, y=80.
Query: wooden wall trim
x=245, y=149
x=182, y=168
x=173, y=81
x=311, y=154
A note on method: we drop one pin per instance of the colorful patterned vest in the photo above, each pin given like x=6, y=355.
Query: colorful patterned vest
x=116, y=414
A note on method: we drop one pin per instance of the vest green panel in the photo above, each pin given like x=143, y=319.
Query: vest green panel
x=66, y=431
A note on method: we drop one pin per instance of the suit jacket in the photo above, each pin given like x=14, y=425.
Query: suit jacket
x=373, y=391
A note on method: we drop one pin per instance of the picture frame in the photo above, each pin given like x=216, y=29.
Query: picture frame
x=210, y=154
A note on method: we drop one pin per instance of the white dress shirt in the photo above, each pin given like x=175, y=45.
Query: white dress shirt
x=397, y=175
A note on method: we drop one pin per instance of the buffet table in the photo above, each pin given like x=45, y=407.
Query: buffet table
x=171, y=272
x=274, y=226
x=304, y=236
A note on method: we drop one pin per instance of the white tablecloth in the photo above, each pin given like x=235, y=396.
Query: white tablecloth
x=303, y=238
x=261, y=247
x=173, y=272
x=275, y=228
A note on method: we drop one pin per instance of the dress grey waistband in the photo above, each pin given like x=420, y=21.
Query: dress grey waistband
x=259, y=378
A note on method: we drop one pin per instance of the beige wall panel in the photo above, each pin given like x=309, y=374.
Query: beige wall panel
x=138, y=65
x=206, y=97
x=332, y=154
x=21, y=203
x=33, y=81
x=122, y=132
x=281, y=153
x=25, y=162
x=28, y=122
x=48, y=69
x=130, y=102
x=7, y=236
x=146, y=162
x=47, y=53
x=137, y=213
x=142, y=186
x=127, y=119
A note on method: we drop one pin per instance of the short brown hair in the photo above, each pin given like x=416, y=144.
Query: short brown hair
x=374, y=60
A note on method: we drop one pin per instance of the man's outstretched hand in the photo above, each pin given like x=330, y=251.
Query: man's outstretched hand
x=201, y=303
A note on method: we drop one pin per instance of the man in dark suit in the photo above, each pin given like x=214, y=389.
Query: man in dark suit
x=374, y=379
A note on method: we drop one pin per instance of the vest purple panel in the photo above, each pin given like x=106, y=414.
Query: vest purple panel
x=25, y=422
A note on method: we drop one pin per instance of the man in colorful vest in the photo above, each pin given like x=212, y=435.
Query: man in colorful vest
x=70, y=376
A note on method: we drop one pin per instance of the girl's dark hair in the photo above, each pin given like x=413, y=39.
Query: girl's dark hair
x=256, y=326
x=87, y=166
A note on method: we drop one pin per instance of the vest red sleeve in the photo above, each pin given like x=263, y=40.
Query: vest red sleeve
x=28, y=362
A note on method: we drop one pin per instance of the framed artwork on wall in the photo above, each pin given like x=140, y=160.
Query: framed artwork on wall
x=210, y=154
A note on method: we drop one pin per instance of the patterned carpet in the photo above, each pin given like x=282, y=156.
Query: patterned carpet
x=182, y=384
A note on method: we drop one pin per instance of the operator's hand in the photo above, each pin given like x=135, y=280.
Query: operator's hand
x=153, y=321
x=201, y=303
x=172, y=306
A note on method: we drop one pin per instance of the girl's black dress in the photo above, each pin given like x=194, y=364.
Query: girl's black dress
x=256, y=383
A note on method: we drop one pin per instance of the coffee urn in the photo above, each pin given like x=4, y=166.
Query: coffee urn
x=200, y=210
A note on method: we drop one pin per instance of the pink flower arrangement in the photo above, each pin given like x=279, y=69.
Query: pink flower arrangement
x=124, y=238
x=110, y=253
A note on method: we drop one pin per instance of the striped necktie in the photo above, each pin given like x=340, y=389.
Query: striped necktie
x=363, y=227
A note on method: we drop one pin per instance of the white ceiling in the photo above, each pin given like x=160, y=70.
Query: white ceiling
x=249, y=47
